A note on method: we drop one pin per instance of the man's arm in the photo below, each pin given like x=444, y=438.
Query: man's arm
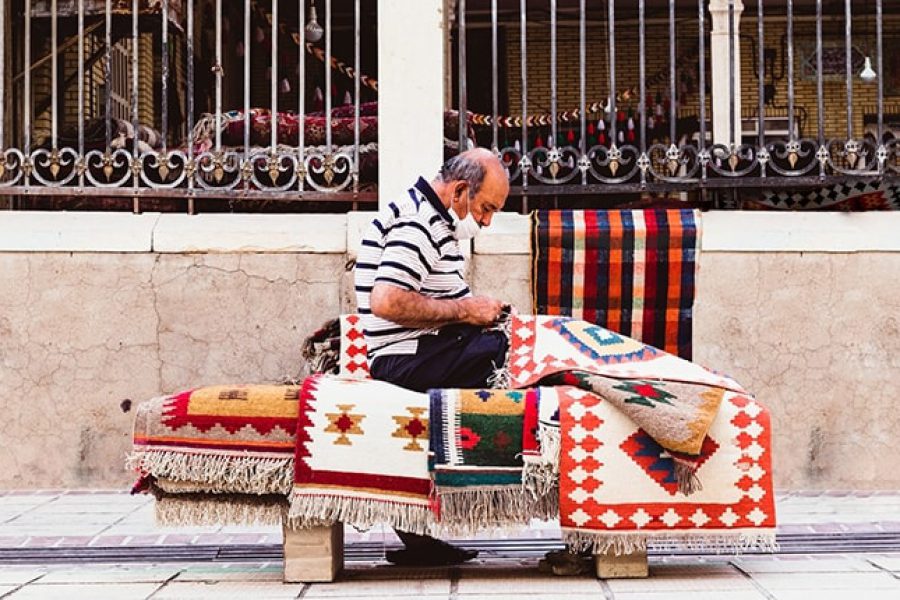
x=412, y=309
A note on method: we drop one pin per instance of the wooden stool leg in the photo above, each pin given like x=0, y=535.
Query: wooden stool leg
x=610, y=566
x=314, y=554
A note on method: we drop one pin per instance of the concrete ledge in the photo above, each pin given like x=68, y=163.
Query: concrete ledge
x=728, y=231
x=41, y=231
x=314, y=234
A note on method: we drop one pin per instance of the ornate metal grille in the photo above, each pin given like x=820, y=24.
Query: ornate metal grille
x=182, y=98
x=643, y=128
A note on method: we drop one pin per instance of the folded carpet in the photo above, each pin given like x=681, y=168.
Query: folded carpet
x=618, y=487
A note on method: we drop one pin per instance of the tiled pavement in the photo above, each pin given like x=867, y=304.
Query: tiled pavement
x=104, y=519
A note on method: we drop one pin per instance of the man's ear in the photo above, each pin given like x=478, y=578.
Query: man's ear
x=460, y=190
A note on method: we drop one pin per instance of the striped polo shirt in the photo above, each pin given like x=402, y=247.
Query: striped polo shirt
x=409, y=245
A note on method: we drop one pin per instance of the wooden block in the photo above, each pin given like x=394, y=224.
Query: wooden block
x=314, y=554
x=610, y=566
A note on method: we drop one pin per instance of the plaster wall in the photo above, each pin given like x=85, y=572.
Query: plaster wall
x=804, y=310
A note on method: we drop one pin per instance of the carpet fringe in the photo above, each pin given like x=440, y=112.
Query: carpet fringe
x=223, y=473
x=468, y=510
x=540, y=475
x=501, y=379
x=310, y=511
x=627, y=542
x=199, y=510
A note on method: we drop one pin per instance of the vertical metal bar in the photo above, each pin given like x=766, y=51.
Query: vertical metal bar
x=247, y=46
x=3, y=75
x=642, y=70
x=494, y=58
x=273, y=78
x=761, y=75
x=673, y=95
x=790, y=69
x=701, y=18
x=164, y=70
x=190, y=97
x=582, y=83
x=218, y=71
x=611, y=26
x=356, y=76
x=523, y=68
x=553, y=86
x=135, y=90
x=880, y=54
x=54, y=71
x=81, y=115
x=848, y=57
x=461, y=74
x=27, y=82
x=328, y=76
x=301, y=97
x=820, y=96
x=107, y=75
x=731, y=77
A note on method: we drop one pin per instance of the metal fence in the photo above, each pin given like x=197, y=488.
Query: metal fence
x=100, y=97
x=643, y=130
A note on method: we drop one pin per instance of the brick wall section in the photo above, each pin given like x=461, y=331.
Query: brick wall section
x=657, y=61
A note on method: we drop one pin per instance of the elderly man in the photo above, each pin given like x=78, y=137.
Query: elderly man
x=424, y=328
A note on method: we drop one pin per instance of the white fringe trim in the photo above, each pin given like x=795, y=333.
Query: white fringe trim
x=224, y=474
x=540, y=475
x=309, y=511
x=194, y=510
x=468, y=510
x=501, y=379
x=627, y=542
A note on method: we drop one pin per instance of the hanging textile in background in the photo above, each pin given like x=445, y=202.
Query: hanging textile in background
x=631, y=271
x=849, y=196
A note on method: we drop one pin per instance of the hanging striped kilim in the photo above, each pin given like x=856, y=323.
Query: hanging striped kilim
x=631, y=271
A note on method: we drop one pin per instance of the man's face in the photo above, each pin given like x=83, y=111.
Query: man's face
x=490, y=198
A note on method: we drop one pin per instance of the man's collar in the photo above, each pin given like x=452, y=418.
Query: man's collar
x=425, y=188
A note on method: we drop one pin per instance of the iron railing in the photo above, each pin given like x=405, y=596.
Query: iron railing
x=100, y=97
x=560, y=150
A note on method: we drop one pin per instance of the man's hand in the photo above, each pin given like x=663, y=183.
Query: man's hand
x=412, y=309
x=480, y=310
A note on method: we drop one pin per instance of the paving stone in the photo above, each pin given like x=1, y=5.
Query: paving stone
x=99, y=591
x=381, y=588
x=857, y=582
x=889, y=562
x=111, y=574
x=232, y=572
x=819, y=594
x=230, y=590
x=682, y=583
x=19, y=575
x=519, y=581
x=691, y=595
x=777, y=564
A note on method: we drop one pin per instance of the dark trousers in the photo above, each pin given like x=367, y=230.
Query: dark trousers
x=458, y=356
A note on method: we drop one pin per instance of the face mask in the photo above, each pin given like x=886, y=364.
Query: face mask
x=467, y=228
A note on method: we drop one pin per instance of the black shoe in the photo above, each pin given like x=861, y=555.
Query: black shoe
x=439, y=554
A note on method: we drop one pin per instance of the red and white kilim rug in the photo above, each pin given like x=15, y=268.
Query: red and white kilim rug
x=618, y=488
x=362, y=455
x=353, y=363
